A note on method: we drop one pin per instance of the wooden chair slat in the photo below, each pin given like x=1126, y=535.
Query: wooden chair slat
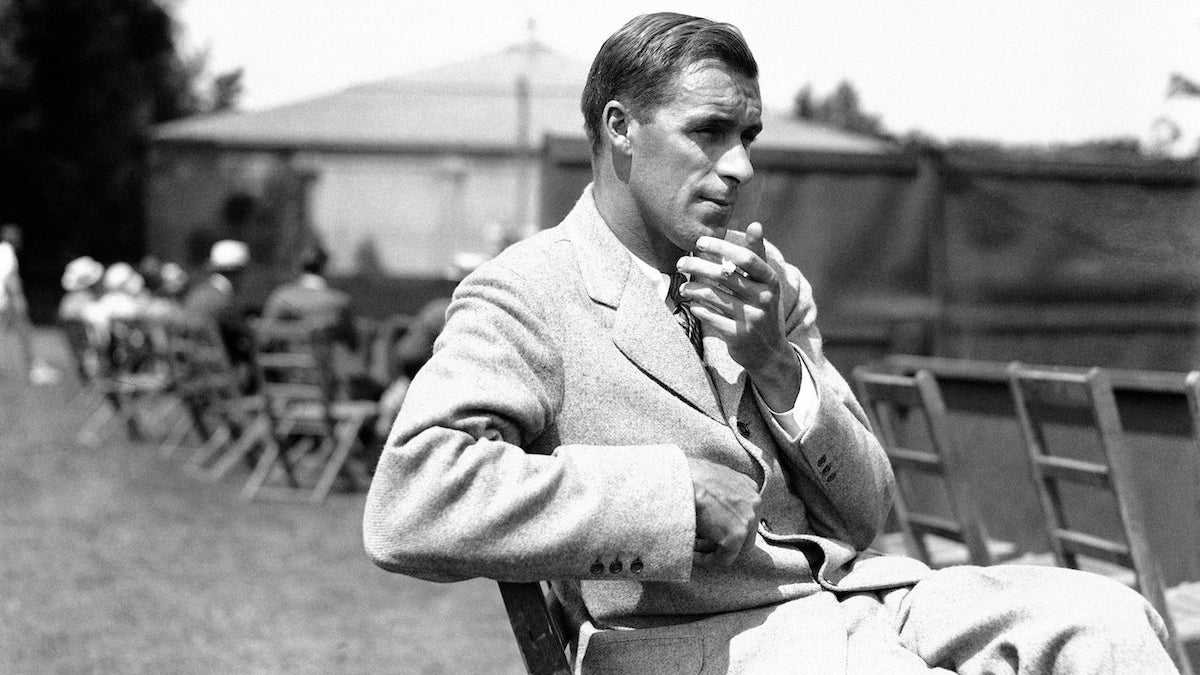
x=890, y=399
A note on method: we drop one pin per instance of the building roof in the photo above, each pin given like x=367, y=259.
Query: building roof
x=474, y=106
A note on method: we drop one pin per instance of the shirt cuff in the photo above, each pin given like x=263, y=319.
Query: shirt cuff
x=794, y=422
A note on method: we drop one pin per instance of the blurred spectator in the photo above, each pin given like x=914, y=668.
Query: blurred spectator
x=416, y=346
x=410, y=353
x=123, y=289
x=310, y=298
x=14, y=311
x=219, y=296
x=174, y=281
x=80, y=281
x=118, y=299
x=165, y=283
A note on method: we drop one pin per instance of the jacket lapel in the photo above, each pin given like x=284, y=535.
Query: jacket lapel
x=728, y=378
x=643, y=330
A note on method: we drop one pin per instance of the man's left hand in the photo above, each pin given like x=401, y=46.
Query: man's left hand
x=735, y=294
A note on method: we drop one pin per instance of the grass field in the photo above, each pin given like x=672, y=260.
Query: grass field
x=112, y=560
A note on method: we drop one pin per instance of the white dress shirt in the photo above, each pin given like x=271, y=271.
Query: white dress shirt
x=793, y=423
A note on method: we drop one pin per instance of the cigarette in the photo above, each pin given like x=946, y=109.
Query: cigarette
x=728, y=269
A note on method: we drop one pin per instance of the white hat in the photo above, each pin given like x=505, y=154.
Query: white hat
x=229, y=255
x=174, y=278
x=81, y=273
x=118, y=275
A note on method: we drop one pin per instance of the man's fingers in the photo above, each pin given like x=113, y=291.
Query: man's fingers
x=754, y=239
x=748, y=257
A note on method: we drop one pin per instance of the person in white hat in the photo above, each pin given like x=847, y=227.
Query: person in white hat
x=218, y=296
x=14, y=311
x=80, y=280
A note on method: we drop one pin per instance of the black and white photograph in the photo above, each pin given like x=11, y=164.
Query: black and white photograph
x=547, y=338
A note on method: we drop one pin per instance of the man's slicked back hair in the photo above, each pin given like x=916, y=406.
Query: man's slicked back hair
x=638, y=64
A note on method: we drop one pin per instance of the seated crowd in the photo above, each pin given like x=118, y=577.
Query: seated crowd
x=97, y=297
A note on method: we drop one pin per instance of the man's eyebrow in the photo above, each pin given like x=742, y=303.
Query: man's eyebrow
x=723, y=119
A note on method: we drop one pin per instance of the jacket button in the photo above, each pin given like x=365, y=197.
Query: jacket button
x=597, y=567
x=615, y=567
x=636, y=566
x=743, y=428
x=821, y=460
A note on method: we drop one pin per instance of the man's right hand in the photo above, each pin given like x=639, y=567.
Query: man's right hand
x=727, y=505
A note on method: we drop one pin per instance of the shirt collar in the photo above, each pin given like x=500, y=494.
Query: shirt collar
x=659, y=280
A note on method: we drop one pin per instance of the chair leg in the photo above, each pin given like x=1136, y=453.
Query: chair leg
x=347, y=437
x=256, y=434
x=266, y=462
x=282, y=459
x=211, y=448
x=176, y=437
x=89, y=433
x=126, y=409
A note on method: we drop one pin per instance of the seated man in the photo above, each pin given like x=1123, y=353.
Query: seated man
x=310, y=298
x=679, y=457
x=219, y=296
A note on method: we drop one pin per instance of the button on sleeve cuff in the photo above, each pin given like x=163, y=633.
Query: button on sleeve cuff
x=641, y=512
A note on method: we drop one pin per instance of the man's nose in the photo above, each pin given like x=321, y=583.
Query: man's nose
x=735, y=164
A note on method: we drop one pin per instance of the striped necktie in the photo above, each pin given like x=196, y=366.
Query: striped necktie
x=691, y=325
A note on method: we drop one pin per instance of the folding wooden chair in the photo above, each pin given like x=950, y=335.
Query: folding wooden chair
x=122, y=372
x=85, y=355
x=539, y=627
x=1079, y=463
x=310, y=430
x=935, y=503
x=140, y=375
x=228, y=423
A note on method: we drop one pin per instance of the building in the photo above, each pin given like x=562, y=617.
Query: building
x=409, y=177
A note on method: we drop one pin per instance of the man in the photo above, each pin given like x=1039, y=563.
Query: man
x=14, y=310
x=702, y=506
x=218, y=296
x=310, y=298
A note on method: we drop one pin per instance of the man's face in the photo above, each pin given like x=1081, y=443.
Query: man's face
x=689, y=156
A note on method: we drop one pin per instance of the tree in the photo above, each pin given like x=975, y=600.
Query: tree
x=841, y=109
x=82, y=82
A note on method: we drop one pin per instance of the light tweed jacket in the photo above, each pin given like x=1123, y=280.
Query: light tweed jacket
x=547, y=438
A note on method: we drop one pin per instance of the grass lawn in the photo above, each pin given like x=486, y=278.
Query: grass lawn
x=112, y=560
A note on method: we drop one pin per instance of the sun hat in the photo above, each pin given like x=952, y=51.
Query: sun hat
x=81, y=273
x=228, y=255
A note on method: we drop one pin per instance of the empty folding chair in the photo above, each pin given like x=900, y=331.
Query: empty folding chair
x=934, y=502
x=1079, y=463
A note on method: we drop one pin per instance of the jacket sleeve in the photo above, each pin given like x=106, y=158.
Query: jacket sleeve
x=837, y=467
x=455, y=496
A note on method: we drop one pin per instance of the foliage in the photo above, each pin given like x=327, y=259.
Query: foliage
x=82, y=82
x=841, y=109
x=1181, y=85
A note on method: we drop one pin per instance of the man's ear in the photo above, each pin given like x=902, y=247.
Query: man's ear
x=616, y=122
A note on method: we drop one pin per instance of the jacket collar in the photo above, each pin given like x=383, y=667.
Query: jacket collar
x=643, y=329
